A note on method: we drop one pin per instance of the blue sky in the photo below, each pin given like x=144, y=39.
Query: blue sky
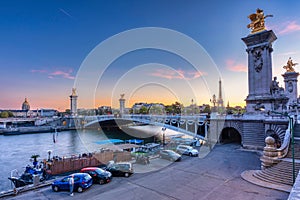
x=43, y=45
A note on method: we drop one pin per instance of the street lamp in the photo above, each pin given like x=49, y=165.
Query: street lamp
x=49, y=154
x=291, y=123
x=163, y=129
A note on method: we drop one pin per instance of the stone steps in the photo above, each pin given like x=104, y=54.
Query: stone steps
x=271, y=179
x=281, y=173
x=252, y=134
x=278, y=174
x=296, y=150
x=297, y=130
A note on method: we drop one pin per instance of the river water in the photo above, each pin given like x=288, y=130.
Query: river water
x=16, y=150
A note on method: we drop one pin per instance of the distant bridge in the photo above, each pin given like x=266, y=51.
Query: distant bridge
x=188, y=125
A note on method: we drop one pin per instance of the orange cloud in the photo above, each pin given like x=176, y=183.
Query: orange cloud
x=232, y=65
x=177, y=74
x=290, y=27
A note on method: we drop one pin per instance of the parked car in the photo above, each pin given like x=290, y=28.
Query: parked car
x=187, y=150
x=82, y=181
x=119, y=169
x=99, y=175
x=170, y=155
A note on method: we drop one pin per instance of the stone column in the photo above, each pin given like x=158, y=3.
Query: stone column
x=290, y=82
x=259, y=49
x=73, y=102
x=122, y=105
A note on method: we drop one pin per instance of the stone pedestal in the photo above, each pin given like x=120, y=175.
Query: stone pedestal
x=122, y=106
x=73, y=106
x=290, y=82
x=259, y=49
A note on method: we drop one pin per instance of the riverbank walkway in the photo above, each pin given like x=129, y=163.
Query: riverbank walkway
x=215, y=176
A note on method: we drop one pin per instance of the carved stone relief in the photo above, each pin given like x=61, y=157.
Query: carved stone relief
x=258, y=60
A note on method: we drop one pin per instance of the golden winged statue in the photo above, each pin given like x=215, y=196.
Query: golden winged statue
x=257, y=21
x=290, y=65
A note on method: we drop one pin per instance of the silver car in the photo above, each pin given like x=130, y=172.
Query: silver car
x=187, y=150
x=170, y=155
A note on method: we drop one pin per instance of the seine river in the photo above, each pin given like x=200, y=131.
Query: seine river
x=16, y=150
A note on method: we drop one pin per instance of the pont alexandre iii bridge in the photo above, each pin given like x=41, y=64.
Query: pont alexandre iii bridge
x=248, y=130
x=194, y=125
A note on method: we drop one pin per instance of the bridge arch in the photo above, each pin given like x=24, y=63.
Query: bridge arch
x=154, y=120
x=230, y=135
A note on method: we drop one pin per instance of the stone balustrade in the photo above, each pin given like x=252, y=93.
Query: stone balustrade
x=270, y=155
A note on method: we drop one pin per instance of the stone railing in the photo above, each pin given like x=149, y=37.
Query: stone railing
x=294, y=194
x=272, y=154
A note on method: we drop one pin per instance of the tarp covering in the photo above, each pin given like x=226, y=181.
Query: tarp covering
x=114, y=141
x=134, y=141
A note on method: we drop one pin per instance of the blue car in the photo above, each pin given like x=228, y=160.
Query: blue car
x=81, y=181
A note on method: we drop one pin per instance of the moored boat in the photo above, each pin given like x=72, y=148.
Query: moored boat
x=29, y=176
x=11, y=131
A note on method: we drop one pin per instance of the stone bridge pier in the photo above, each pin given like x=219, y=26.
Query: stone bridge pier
x=248, y=130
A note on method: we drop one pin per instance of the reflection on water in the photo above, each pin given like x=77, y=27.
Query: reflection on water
x=17, y=150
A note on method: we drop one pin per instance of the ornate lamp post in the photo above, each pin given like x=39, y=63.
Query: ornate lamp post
x=163, y=129
x=49, y=154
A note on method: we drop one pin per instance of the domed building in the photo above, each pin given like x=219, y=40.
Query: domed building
x=25, y=105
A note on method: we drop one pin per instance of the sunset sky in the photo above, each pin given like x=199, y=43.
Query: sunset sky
x=47, y=45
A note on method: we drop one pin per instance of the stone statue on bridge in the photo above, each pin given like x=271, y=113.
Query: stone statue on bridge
x=290, y=65
x=73, y=91
x=257, y=21
x=275, y=89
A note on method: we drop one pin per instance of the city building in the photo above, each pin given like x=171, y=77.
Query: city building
x=148, y=108
x=104, y=110
x=26, y=112
x=25, y=105
x=191, y=109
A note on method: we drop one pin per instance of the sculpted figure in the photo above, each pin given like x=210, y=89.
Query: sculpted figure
x=257, y=21
x=275, y=86
x=290, y=65
x=73, y=91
